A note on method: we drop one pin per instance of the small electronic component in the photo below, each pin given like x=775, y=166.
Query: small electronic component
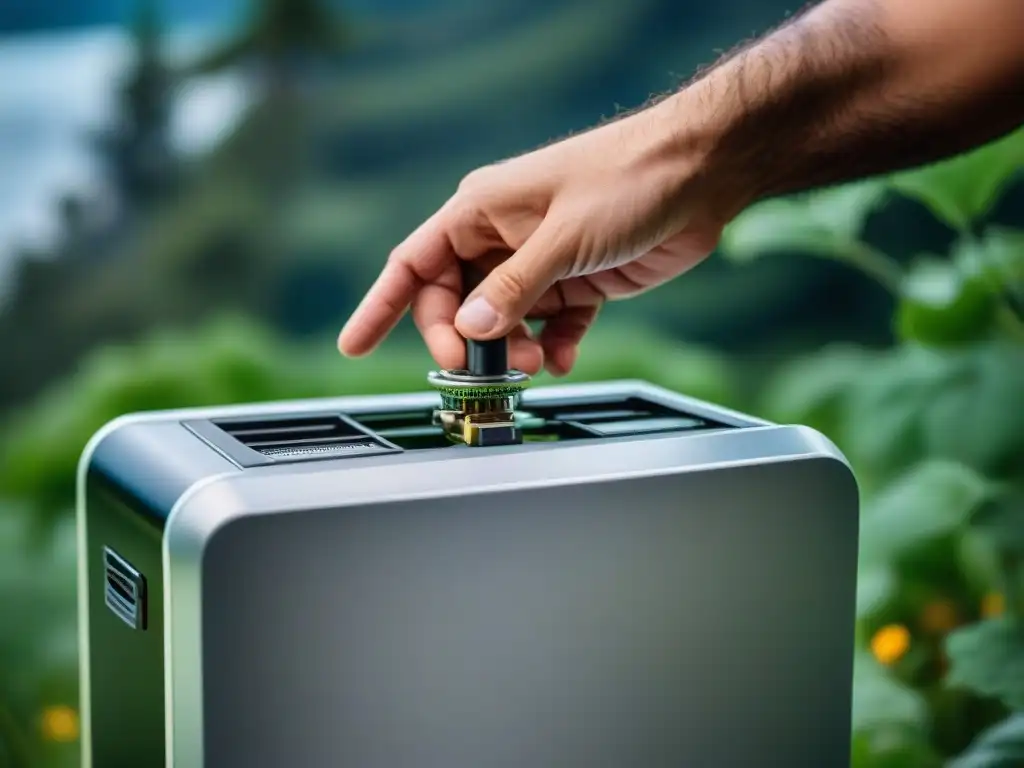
x=478, y=403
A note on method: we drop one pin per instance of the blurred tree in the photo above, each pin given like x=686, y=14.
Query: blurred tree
x=283, y=43
x=278, y=37
x=136, y=148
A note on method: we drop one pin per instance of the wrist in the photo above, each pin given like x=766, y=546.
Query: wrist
x=687, y=135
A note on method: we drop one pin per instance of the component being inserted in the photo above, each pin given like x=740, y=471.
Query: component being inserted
x=478, y=403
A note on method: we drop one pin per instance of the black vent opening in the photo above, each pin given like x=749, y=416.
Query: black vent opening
x=624, y=416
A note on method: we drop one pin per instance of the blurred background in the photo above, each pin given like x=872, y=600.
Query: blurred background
x=195, y=194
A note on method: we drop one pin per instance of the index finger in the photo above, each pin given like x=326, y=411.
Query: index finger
x=419, y=260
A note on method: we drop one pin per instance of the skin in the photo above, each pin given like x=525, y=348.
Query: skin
x=843, y=91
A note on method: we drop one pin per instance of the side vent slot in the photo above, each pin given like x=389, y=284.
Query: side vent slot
x=631, y=416
x=124, y=590
x=304, y=438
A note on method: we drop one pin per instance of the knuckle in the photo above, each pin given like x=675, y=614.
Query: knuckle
x=474, y=180
x=509, y=284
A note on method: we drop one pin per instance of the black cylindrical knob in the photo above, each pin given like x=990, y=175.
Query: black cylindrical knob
x=483, y=358
x=487, y=358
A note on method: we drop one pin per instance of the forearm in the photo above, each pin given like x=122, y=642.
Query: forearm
x=850, y=89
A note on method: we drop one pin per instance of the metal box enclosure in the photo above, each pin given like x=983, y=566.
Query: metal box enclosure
x=649, y=581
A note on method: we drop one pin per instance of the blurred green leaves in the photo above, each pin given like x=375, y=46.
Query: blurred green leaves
x=934, y=427
x=881, y=701
x=940, y=304
x=890, y=720
x=934, y=499
x=824, y=223
x=38, y=648
x=960, y=191
x=964, y=404
x=988, y=658
x=1001, y=746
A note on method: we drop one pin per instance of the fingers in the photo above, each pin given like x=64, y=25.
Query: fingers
x=433, y=312
x=561, y=337
x=512, y=288
x=420, y=260
x=524, y=351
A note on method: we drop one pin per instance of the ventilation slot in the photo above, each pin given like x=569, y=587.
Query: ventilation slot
x=124, y=590
x=411, y=430
x=324, y=436
x=629, y=416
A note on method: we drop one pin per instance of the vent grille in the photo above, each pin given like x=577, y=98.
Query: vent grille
x=630, y=416
x=260, y=441
x=124, y=590
x=319, y=436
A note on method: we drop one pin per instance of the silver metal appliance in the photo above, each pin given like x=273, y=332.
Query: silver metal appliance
x=643, y=581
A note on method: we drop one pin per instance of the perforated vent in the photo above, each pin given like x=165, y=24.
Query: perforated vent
x=302, y=438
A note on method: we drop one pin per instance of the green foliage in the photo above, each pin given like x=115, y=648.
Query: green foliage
x=826, y=223
x=1001, y=746
x=935, y=430
x=989, y=658
x=963, y=189
x=941, y=305
x=38, y=649
x=932, y=500
x=890, y=720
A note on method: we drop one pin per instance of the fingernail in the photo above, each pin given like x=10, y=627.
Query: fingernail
x=477, y=317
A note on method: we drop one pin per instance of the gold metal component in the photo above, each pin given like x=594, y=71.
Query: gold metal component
x=479, y=411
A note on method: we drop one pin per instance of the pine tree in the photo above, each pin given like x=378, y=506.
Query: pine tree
x=137, y=148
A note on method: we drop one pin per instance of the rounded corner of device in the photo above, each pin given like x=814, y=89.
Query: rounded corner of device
x=207, y=508
x=111, y=427
x=822, y=448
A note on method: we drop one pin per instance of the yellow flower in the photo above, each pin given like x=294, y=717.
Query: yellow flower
x=60, y=723
x=890, y=643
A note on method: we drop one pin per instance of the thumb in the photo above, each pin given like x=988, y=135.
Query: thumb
x=505, y=296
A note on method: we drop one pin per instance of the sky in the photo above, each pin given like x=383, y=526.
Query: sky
x=59, y=86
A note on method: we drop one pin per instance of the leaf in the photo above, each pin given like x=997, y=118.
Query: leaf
x=977, y=416
x=940, y=304
x=977, y=558
x=822, y=223
x=997, y=256
x=811, y=390
x=881, y=421
x=1002, y=521
x=881, y=701
x=988, y=658
x=932, y=500
x=961, y=190
x=1001, y=746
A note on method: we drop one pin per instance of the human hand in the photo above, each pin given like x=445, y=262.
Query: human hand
x=603, y=215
